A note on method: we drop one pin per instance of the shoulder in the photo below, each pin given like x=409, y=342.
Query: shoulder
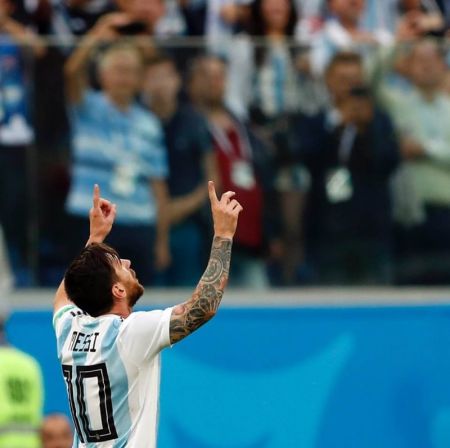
x=91, y=102
x=64, y=316
x=192, y=116
x=147, y=318
x=143, y=119
x=445, y=101
x=142, y=113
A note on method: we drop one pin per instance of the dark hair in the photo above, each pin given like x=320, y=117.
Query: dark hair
x=196, y=64
x=90, y=277
x=257, y=26
x=344, y=57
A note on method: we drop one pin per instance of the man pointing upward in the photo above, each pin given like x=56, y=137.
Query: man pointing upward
x=110, y=355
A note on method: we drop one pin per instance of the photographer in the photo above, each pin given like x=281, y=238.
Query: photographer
x=351, y=152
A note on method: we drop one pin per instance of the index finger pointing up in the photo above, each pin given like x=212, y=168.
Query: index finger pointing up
x=212, y=193
x=96, y=196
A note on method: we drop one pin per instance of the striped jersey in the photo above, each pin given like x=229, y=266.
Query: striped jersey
x=111, y=367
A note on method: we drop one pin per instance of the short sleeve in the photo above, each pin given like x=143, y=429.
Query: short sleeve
x=62, y=315
x=144, y=334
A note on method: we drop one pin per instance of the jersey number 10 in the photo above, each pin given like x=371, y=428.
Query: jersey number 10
x=80, y=418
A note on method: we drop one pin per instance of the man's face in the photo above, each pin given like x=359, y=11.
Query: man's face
x=127, y=277
x=342, y=78
x=427, y=68
x=149, y=11
x=161, y=82
x=56, y=433
x=347, y=10
x=209, y=83
x=121, y=75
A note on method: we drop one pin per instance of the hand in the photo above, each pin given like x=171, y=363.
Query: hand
x=411, y=149
x=101, y=217
x=106, y=27
x=5, y=13
x=225, y=212
x=162, y=255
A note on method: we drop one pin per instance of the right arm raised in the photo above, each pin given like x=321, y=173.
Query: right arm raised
x=203, y=305
x=75, y=69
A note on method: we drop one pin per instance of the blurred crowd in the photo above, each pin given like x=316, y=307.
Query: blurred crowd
x=330, y=119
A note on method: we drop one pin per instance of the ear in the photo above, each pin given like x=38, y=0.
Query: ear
x=118, y=291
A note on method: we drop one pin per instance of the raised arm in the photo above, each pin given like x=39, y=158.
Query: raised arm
x=21, y=34
x=101, y=220
x=75, y=69
x=205, y=301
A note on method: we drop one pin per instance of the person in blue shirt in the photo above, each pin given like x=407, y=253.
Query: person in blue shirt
x=119, y=145
x=18, y=46
x=191, y=162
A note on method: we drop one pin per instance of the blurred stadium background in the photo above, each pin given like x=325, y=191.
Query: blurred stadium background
x=331, y=120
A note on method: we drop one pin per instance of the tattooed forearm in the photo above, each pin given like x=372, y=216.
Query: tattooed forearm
x=205, y=301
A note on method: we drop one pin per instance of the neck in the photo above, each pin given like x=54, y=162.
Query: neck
x=429, y=93
x=121, y=310
x=164, y=109
x=121, y=102
x=275, y=35
x=214, y=109
x=349, y=24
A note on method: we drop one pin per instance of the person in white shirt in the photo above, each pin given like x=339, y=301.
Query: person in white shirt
x=343, y=32
x=110, y=355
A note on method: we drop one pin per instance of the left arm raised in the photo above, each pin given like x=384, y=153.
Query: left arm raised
x=202, y=306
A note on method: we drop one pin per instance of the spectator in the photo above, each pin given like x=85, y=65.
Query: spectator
x=351, y=151
x=223, y=18
x=268, y=80
x=311, y=20
x=16, y=134
x=342, y=31
x=264, y=78
x=244, y=168
x=21, y=392
x=143, y=16
x=76, y=17
x=419, y=18
x=408, y=19
x=119, y=145
x=191, y=164
x=423, y=185
x=56, y=432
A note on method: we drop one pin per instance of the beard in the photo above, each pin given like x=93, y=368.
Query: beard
x=135, y=292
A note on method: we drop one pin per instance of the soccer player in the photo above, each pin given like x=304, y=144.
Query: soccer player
x=110, y=354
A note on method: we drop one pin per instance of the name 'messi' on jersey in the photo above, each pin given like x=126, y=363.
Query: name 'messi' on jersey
x=111, y=367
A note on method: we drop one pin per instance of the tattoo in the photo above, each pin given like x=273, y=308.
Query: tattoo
x=205, y=301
